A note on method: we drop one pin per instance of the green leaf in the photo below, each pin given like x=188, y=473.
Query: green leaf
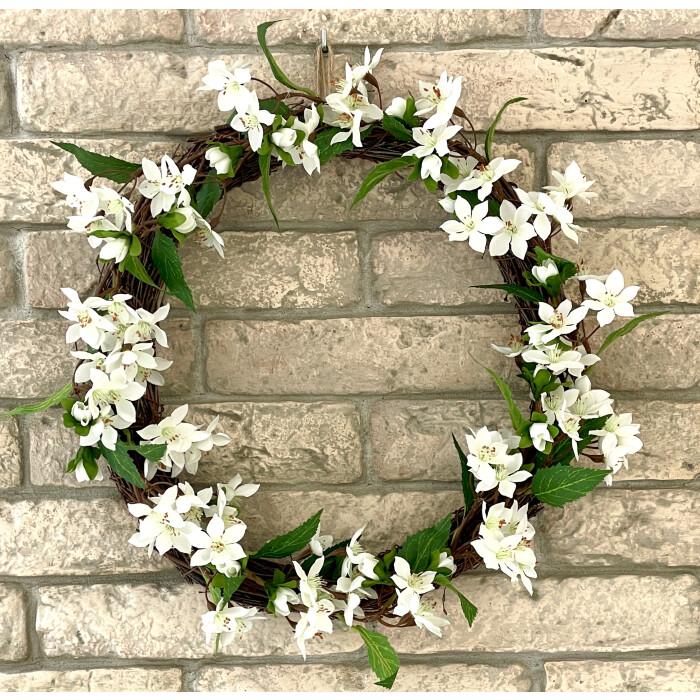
x=383, y=658
x=121, y=464
x=467, y=480
x=514, y=289
x=379, y=173
x=562, y=483
x=135, y=267
x=276, y=70
x=167, y=261
x=207, y=196
x=230, y=586
x=409, y=116
x=627, y=328
x=153, y=453
x=396, y=128
x=516, y=418
x=41, y=405
x=171, y=220
x=285, y=545
x=272, y=105
x=419, y=546
x=492, y=129
x=328, y=150
x=105, y=166
x=468, y=608
x=264, y=162
x=90, y=455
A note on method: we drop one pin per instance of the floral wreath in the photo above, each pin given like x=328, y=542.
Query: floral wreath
x=112, y=402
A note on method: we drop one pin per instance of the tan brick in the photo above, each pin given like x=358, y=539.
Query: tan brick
x=132, y=622
x=94, y=680
x=656, y=355
x=37, y=356
x=616, y=527
x=389, y=517
x=622, y=24
x=179, y=379
x=86, y=27
x=70, y=537
x=646, y=257
x=289, y=443
x=94, y=91
x=359, y=26
x=275, y=270
x=571, y=614
x=8, y=273
x=362, y=355
x=29, y=168
x=652, y=675
x=581, y=89
x=5, y=92
x=632, y=177
x=55, y=259
x=13, y=633
x=10, y=457
x=359, y=678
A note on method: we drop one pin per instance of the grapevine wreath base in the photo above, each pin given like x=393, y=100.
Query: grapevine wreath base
x=114, y=406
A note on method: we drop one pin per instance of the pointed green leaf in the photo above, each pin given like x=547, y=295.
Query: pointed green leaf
x=294, y=541
x=516, y=418
x=562, y=483
x=264, y=161
x=120, y=463
x=383, y=659
x=492, y=129
x=276, y=70
x=514, y=289
x=207, y=196
x=468, y=608
x=379, y=173
x=171, y=220
x=167, y=261
x=419, y=546
x=467, y=481
x=328, y=150
x=41, y=405
x=135, y=267
x=230, y=586
x=153, y=453
x=105, y=166
x=396, y=128
x=627, y=328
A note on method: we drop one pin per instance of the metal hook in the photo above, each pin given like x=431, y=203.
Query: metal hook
x=324, y=44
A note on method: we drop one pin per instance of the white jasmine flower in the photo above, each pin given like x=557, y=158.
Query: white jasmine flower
x=423, y=613
x=513, y=233
x=572, y=184
x=464, y=166
x=89, y=326
x=442, y=98
x=482, y=177
x=219, y=546
x=116, y=390
x=486, y=447
x=555, y=358
x=320, y=543
x=565, y=220
x=146, y=328
x=91, y=360
x=231, y=86
x=112, y=248
x=615, y=460
x=503, y=476
x=362, y=69
x=397, y=108
x=311, y=584
x=205, y=236
x=430, y=167
x=354, y=595
x=472, y=224
x=115, y=206
x=91, y=224
x=584, y=402
x=348, y=113
x=543, y=272
x=140, y=364
x=357, y=556
x=189, y=224
x=230, y=622
x=540, y=436
x=417, y=583
x=619, y=433
x=165, y=185
x=104, y=429
x=513, y=349
x=218, y=160
x=505, y=521
x=81, y=474
x=305, y=153
x=173, y=432
x=204, y=446
x=570, y=425
x=235, y=489
x=557, y=322
x=192, y=505
x=251, y=119
x=77, y=195
x=447, y=562
x=542, y=207
x=435, y=141
x=81, y=413
x=315, y=621
x=284, y=597
x=610, y=299
x=553, y=403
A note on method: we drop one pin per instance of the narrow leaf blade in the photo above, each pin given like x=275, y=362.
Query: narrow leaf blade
x=383, y=659
x=293, y=541
x=516, y=418
x=153, y=453
x=109, y=167
x=627, y=328
x=42, y=405
x=514, y=289
x=467, y=484
x=264, y=160
x=135, y=267
x=167, y=261
x=492, y=129
x=120, y=463
x=379, y=173
x=562, y=483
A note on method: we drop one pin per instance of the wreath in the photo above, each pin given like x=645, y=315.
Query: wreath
x=112, y=402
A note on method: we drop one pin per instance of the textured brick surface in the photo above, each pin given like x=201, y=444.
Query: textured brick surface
x=352, y=355
x=180, y=378
x=310, y=678
x=8, y=273
x=360, y=26
x=13, y=633
x=10, y=457
x=94, y=680
x=275, y=270
x=5, y=99
x=672, y=675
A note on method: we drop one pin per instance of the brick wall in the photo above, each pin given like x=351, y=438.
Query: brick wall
x=336, y=350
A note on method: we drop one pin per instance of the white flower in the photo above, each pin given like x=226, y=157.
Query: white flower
x=472, y=225
x=360, y=70
x=165, y=185
x=610, y=299
x=189, y=224
x=305, y=152
x=192, y=505
x=482, y=177
x=503, y=476
x=91, y=224
x=116, y=206
x=447, y=562
x=514, y=231
x=565, y=219
x=104, y=429
x=316, y=620
x=81, y=413
x=219, y=546
x=584, y=402
x=218, y=160
x=113, y=249
x=615, y=460
x=404, y=578
x=572, y=184
x=619, y=434
x=251, y=120
x=82, y=475
x=205, y=236
x=397, y=108
x=540, y=436
x=173, y=432
x=430, y=167
x=543, y=272
x=145, y=327
x=77, y=195
x=310, y=584
x=354, y=595
x=357, y=556
x=464, y=166
x=232, y=93
x=320, y=543
x=506, y=521
x=116, y=390
x=442, y=98
x=89, y=326
x=230, y=622
x=235, y=489
x=140, y=364
x=511, y=554
x=435, y=141
x=513, y=349
x=542, y=207
x=584, y=273
x=557, y=322
x=91, y=360
x=348, y=113
x=423, y=613
x=554, y=358
x=570, y=425
x=553, y=403
x=284, y=597
x=487, y=447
